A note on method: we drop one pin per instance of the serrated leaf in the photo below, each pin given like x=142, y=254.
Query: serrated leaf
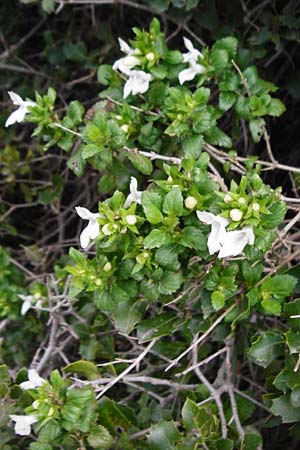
x=162, y=325
x=173, y=203
x=90, y=150
x=170, y=282
x=141, y=163
x=276, y=108
x=266, y=348
x=157, y=238
x=257, y=129
x=127, y=314
x=282, y=406
x=226, y=100
x=192, y=237
x=82, y=367
x=164, y=436
x=276, y=216
x=100, y=438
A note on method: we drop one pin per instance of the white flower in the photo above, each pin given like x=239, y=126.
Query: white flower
x=126, y=63
x=135, y=195
x=235, y=241
x=19, y=114
x=218, y=231
x=227, y=243
x=23, y=424
x=29, y=302
x=34, y=380
x=191, y=57
x=137, y=83
x=92, y=229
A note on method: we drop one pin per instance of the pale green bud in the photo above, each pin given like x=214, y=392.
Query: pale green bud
x=190, y=202
x=236, y=215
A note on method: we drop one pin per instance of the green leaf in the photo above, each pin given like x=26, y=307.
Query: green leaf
x=77, y=256
x=189, y=413
x=193, y=145
x=75, y=112
x=252, y=272
x=90, y=150
x=170, y=282
x=282, y=406
x=173, y=203
x=112, y=415
x=192, y=237
x=141, y=163
x=295, y=397
x=293, y=341
x=220, y=60
x=100, y=438
x=217, y=300
x=201, y=95
x=82, y=367
x=157, y=238
x=162, y=325
x=266, y=348
x=167, y=256
x=252, y=441
x=271, y=306
x=276, y=216
x=104, y=74
x=48, y=6
x=151, y=202
x=173, y=57
x=229, y=44
x=279, y=286
x=164, y=436
x=276, y=107
x=127, y=314
x=226, y=100
x=257, y=129
x=76, y=163
x=50, y=431
x=157, y=93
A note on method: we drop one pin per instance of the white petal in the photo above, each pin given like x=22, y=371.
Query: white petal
x=128, y=201
x=250, y=234
x=94, y=229
x=84, y=213
x=215, y=237
x=23, y=424
x=15, y=98
x=124, y=47
x=16, y=116
x=128, y=87
x=35, y=379
x=209, y=218
x=235, y=241
x=85, y=236
x=26, y=306
x=188, y=44
x=133, y=185
x=186, y=75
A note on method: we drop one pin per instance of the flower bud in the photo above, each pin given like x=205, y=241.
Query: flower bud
x=51, y=411
x=125, y=127
x=255, y=207
x=36, y=404
x=227, y=198
x=131, y=219
x=179, y=116
x=242, y=200
x=150, y=56
x=236, y=215
x=106, y=229
x=190, y=202
x=118, y=117
x=98, y=282
x=37, y=296
x=107, y=267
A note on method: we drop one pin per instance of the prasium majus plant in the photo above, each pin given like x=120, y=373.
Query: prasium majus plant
x=173, y=248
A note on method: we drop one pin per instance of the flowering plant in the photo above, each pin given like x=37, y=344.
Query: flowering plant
x=178, y=243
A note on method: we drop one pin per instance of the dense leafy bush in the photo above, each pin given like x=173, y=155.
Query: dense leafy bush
x=165, y=319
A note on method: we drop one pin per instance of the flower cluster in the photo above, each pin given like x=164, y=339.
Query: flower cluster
x=227, y=243
x=138, y=80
